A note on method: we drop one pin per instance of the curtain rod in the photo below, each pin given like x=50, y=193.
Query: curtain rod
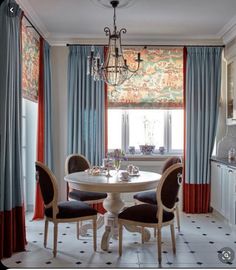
x=223, y=46
x=32, y=25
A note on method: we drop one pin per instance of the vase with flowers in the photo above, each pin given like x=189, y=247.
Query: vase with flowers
x=117, y=155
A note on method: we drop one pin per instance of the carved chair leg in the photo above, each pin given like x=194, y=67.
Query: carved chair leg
x=159, y=244
x=177, y=216
x=45, y=232
x=55, y=239
x=95, y=234
x=77, y=229
x=142, y=234
x=172, y=229
x=120, y=238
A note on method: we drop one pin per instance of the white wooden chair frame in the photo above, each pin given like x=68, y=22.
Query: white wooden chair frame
x=159, y=215
x=82, y=230
x=55, y=211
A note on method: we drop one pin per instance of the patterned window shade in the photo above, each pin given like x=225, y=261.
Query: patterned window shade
x=158, y=83
x=30, y=63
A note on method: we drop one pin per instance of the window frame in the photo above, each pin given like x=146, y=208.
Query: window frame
x=167, y=133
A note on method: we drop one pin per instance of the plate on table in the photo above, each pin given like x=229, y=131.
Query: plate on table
x=134, y=174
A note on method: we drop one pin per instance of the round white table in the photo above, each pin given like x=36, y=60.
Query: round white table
x=113, y=186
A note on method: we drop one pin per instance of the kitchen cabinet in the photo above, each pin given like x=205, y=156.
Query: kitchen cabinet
x=223, y=190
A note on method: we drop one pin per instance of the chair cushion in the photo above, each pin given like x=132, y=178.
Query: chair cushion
x=147, y=197
x=86, y=196
x=72, y=209
x=145, y=213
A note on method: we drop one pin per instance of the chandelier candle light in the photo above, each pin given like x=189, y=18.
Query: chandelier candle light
x=115, y=69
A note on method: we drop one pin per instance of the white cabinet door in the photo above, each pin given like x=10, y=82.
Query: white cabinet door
x=216, y=190
x=232, y=196
x=225, y=191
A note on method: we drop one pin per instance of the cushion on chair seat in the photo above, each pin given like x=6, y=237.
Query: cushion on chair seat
x=86, y=196
x=145, y=213
x=72, y=209
x=148, y=197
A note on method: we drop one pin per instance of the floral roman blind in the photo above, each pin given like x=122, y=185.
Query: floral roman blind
x=158, y=83
x=30, y=63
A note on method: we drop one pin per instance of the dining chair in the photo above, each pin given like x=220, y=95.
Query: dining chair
x=156, y=215
x=78, y=163
x=150, y=196
x=61, y=212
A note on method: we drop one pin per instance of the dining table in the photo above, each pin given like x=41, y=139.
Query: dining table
x=114, y=185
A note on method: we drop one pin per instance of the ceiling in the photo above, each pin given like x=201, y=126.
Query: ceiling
x=147, y=21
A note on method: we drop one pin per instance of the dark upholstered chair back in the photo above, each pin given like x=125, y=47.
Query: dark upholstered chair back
x=169, y=185
x=47, y=182
x=76, y=163
x=171, y=161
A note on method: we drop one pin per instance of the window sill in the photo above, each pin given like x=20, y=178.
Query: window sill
x=152, y=157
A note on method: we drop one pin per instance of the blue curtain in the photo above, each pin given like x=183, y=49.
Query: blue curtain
x=12, y=227
x=48, y=147
x=86, y=107
x=203, y=84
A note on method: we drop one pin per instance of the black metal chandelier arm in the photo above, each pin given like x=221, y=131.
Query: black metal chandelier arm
x=107, y=31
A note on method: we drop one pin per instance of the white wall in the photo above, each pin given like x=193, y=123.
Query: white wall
x=59, y=114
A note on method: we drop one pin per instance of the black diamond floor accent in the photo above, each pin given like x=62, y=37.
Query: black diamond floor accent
x=48, y=262
x=18, y=262
x=78, y=262
x=199, y=263
x=165, y=252
x=211, y=242
x=109, y=263
x=64, y=234
x=192, y=251
x=181, y=234
x=169, y=263
x=219, y=251
x=204, y=234
x=59, y=242
x=188, y=216
x=34, y=241
x=229, y=263
x=219, y=227
x=40, y=233
x=193, y=221
x=186, y=242
x=207, y=216
x=227, y=234
x=81, y=251
x=85, y=242
x=213, y=221
x=198, y=227
x=67, y=227
x=109, y=252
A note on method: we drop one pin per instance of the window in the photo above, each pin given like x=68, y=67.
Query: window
x=138, y=127
x=148, y=108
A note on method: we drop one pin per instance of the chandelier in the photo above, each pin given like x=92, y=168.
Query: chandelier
x=115, y=69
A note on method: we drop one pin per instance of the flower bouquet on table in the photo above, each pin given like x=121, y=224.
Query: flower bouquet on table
x=117, y=155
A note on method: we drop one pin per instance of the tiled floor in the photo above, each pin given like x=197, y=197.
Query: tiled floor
x=198, y=244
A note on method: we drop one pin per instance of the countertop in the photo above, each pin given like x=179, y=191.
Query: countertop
x=224, y=161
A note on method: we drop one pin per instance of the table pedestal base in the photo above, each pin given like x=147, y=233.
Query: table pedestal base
x=113, y=204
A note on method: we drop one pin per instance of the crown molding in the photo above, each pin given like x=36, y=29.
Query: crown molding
x=33, y=17
x=228, y=32
x=61, y=40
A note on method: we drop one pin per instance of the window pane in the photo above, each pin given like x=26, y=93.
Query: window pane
x=146, y=127
x=114, y=129
x=177, y=128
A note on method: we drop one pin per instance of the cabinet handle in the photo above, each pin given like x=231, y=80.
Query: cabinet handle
x=230, y=171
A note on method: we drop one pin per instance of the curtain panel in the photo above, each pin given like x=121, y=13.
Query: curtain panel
x=44, y=133
x=158, y=84
x=203, y=83
x=12, y=218
x=86, y=107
